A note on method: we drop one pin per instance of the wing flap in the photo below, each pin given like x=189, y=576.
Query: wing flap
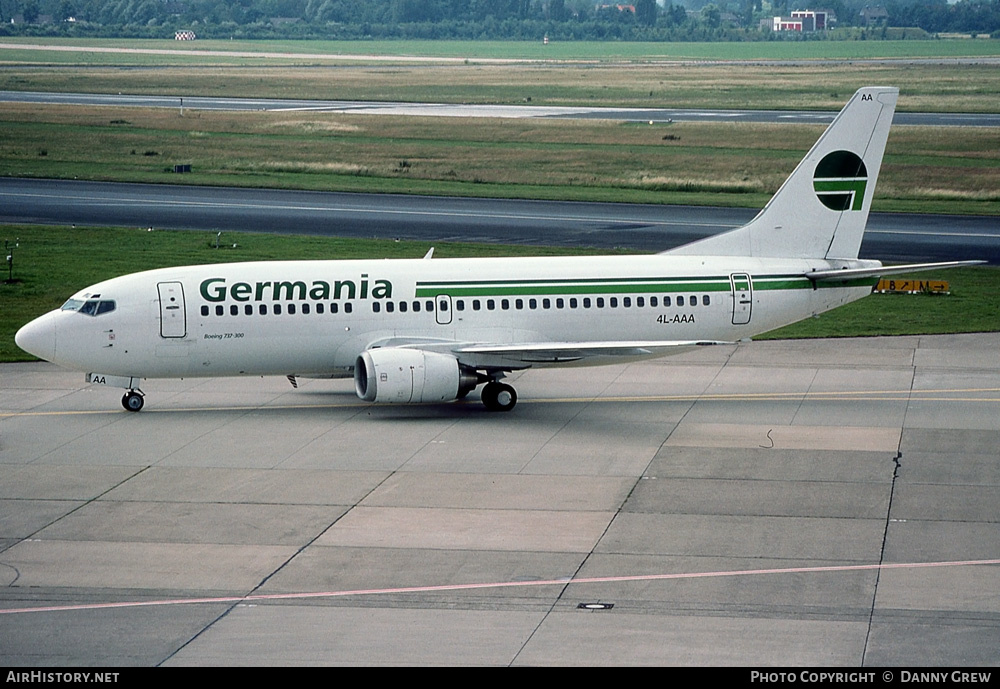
x=519, y=355
x=570, y=353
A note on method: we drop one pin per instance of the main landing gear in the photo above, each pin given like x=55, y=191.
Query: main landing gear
x=496, y=397
x=499, y=396
x=133, y=400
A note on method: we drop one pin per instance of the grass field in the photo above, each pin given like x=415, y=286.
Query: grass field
x=535, y=50
x=773, y=75
x=740, y=164
x=924, y=87
x=972, y=306
x=946, y=170
x=52, y=263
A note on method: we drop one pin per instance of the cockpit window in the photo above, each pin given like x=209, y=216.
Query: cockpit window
x=91, y=307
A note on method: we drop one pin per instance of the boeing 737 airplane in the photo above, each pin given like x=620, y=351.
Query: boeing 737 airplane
x=432, y=330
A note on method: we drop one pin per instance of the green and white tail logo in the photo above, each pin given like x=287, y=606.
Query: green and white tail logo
x=840, y=181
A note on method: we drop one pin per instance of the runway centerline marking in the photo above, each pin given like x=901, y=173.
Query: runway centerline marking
x=504, y=584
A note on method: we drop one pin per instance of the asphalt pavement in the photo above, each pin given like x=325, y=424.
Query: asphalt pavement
x=895, y=237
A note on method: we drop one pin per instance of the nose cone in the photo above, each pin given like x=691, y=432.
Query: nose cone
x=39, y=337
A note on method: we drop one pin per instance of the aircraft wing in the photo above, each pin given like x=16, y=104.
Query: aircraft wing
x=535, y=354
x=567, y=352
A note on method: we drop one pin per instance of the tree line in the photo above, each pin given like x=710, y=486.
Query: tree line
x=634, y=20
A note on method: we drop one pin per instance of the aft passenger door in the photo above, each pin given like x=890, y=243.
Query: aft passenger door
x=173, y=314
x=742, y=298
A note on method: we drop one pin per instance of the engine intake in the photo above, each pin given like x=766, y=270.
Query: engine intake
x=410, y=375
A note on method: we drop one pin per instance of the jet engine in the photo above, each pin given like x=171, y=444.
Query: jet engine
x=402, y=375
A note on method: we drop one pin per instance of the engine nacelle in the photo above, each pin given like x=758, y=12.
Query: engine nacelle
x=402, y=375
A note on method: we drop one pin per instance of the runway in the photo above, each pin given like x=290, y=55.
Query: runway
x=787, y=503
x=228, y=104
x=896, y=237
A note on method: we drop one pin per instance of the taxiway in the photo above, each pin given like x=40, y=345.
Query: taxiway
x=895, y=237
x=229, y=104
x=805, y=503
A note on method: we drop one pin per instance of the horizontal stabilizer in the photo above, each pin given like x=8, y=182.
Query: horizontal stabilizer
x=847, y=274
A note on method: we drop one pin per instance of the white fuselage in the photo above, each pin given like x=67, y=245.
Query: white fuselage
x=316, y=317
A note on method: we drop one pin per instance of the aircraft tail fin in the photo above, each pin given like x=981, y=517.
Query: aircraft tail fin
x=822, y=208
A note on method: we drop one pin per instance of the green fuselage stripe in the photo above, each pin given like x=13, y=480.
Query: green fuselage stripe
x=550, y=287
x=563, y=288
x=660, y=285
